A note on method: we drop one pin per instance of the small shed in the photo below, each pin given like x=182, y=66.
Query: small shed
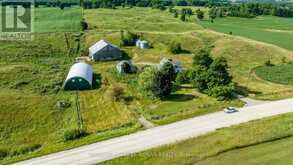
x=143, y=44
x=104, y=50
x=127, y=64
x=80, y=77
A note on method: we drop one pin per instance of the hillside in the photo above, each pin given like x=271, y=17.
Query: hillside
x=33, y=72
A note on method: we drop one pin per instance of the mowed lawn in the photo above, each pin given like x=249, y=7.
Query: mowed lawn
x=273, y=30
x=241, y=144
x=49, y=19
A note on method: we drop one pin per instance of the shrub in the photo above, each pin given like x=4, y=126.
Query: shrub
x=183, y=77
x=3, y=153
x=268, y=63
x=26, y=149
x=74, y=134
x=129, y=39
x=116, y=93
x=84, y=25
x=175, y=48
x=222, y=92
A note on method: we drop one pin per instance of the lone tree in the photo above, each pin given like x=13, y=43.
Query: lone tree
x=84, y=25
x=200, y=14
x=183, y=18
x=175, y=47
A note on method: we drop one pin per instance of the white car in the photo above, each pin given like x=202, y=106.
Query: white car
x=230, y=110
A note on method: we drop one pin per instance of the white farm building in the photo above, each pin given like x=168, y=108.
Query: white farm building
x=80, y=77
x=104, y=50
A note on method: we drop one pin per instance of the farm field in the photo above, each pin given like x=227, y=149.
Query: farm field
x=31, y=79
x=269, y=29
x=281, y=74
x=48, y=19
x=32, y=74
x=247, y=141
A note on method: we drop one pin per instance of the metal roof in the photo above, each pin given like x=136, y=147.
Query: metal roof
x=82, y=70
x=100, y=45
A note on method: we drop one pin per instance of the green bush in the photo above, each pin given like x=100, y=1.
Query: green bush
x=222, y=92
x=3, y=153
x=74, y=134
x=183, y=77
x=175, y=48
x=129, y=39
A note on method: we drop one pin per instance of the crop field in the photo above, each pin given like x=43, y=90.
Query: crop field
x=281, y=74
x=273, y=30
x=237, y=144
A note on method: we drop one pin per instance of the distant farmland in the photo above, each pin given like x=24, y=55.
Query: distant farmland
x=273, y=30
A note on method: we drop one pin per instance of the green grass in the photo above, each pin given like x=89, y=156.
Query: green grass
x=222, y=142
x=281, y=74
x=136, y=19
x=277, y=152
x=31, y=79
x=273, y=30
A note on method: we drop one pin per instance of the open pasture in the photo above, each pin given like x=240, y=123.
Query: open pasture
x=269, y=29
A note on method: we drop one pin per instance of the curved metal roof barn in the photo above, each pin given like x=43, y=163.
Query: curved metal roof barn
x=80, y=77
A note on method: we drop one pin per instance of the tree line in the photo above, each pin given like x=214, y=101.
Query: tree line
x=251, y=10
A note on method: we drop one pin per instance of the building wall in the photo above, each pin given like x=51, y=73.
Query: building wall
x=107, y=53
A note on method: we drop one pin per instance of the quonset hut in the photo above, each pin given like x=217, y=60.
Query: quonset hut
x=80, y=77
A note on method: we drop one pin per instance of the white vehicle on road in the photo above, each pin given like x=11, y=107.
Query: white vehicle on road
x=230, y=110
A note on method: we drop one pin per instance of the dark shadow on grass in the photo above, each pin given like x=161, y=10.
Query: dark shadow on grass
x=242, y=90
x=125, y=55
x=179, y=97
x=97, y=80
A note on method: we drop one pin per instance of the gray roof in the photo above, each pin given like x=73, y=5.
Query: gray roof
x=100, y=45
x=82, y=70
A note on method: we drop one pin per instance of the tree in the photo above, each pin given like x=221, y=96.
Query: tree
x=199, y=78
x=84, y=25
x=169, y=70
x=176, y=14
x=222, y=92
x=218, y=73
x=175, y=47
x=202, y=59
x=200, y=14
x=183, y=18
x=157, y=83
x=146, y=80
x=129, y=39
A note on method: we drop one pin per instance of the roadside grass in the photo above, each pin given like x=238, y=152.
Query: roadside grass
x=182, y=104
x=269, y=29
x=50, y=19
x=281, y=74
x=224, y=140
x=276, y=152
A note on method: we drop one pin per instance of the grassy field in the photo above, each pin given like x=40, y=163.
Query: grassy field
x=31, y=79
x=227, y=143
x=276, y=152
x=136, y=19
x=281, y=74
x=32, y=74
x=57, y=20
x=273, y=30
